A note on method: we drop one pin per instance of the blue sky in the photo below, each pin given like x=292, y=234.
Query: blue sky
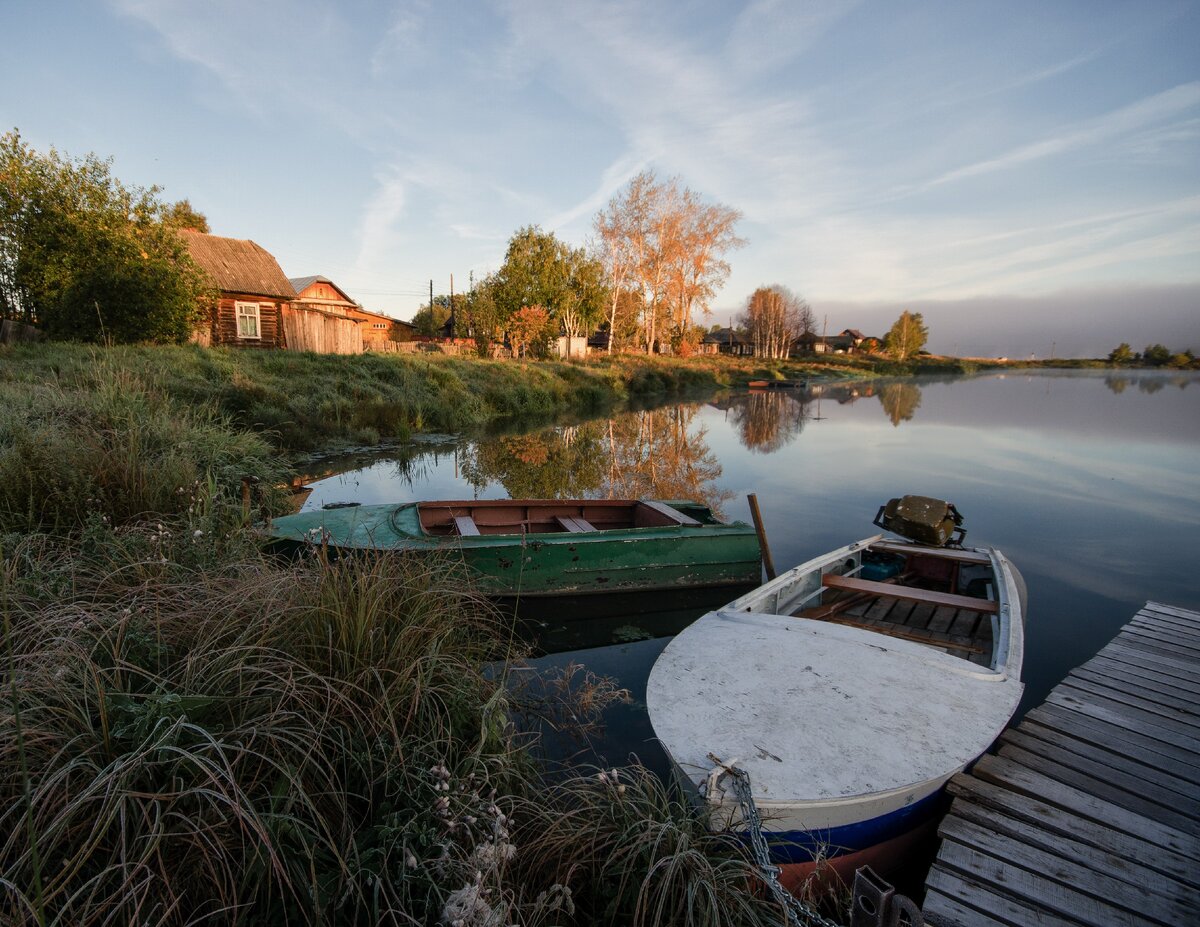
x=997, y=166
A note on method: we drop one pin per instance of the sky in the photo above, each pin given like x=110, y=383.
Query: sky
x=1024, y=174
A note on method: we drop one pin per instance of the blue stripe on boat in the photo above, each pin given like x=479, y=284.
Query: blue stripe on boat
x=802, y=846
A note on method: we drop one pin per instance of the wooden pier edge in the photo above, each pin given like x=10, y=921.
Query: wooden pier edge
x=1088, y=813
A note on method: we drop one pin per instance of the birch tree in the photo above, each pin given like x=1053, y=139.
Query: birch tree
x=907, y=336
x=664, y=243
x=775, y=318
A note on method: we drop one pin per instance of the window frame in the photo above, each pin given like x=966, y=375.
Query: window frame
x=238, y=306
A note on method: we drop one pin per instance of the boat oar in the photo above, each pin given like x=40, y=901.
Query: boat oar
x=768, y=563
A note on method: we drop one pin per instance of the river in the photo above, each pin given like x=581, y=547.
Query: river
x=1089, y=481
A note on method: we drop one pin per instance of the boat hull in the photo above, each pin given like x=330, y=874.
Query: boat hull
x=848, y=736
x=515, y=567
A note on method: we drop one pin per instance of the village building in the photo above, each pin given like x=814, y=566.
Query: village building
x=849, y=341
x=252, y=291
x=320, y=294
x=727, y=341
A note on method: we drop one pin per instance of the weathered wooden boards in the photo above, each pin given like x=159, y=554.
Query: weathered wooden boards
x=1089, y=814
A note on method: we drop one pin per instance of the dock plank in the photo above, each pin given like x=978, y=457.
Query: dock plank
x=1118, y=740
x=1081, y=688
x=1109, y=786
x=1037, y=738
x=1060, y=824
x=1168, y=907
x=1089, y=814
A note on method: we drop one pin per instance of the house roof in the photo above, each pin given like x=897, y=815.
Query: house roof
x=724, y=336
x=238, y=265
x=382, y=317
x=303, y=283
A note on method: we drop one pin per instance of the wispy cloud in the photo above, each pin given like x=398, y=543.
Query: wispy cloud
x=1120, y=122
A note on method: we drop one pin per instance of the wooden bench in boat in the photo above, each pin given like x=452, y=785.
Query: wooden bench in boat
x=466, y=525
x=567, y=523
x=676, y=516
x=909, y=593
x=944, y=553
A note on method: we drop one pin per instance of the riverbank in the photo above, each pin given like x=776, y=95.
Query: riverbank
x=307, y=402
x=190, y=731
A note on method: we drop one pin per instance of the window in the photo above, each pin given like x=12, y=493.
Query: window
x=247, y=320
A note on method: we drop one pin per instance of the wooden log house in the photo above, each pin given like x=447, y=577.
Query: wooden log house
x=253, y=291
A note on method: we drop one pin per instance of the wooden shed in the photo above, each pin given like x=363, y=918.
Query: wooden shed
x=320, y=294
x=253, y=291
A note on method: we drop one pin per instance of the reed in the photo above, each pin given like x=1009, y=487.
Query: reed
x=632, y=851
x=253, y=746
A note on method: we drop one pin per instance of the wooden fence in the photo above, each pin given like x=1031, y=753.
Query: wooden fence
x=14, y=332
x=306, y=330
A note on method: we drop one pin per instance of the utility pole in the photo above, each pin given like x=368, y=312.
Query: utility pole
x=450, y=321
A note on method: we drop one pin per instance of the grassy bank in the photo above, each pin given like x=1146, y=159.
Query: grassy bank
x=193, y=733
x=305, y=402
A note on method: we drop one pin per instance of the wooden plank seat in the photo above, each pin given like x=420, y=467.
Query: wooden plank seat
x=569, y=523
x=677, y=517
x=909, y=593
x=466, y=525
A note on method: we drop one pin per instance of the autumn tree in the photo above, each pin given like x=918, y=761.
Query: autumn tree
x=774, y=318
x=530, y=328
x=540, y=270
x=87, y=258
x=662, y=241
x=907, y=336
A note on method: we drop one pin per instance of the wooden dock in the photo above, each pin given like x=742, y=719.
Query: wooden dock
x=1090, y=811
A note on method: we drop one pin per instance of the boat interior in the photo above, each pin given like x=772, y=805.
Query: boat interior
x=507, y=516
x=943, y=598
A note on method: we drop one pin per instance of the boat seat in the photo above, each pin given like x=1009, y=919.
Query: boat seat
x=466, y=525
x=677, y=517
x=909, y=593
x=567, y=523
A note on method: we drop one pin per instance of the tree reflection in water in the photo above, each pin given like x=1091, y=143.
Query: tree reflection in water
x=900, y=401
x=659, y=454
x=769, y=420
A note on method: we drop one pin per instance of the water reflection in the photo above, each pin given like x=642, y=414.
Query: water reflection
x=769, y=420
x=900, y=401
x=655, y=453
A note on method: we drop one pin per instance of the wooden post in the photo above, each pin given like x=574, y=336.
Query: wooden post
x=768, y=563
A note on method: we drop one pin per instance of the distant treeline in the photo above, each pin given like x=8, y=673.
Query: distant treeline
x=1155, y=355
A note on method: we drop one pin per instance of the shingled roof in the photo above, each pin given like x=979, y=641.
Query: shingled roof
x=238, y=265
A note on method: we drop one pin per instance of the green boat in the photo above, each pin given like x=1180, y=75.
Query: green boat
x=547, y=547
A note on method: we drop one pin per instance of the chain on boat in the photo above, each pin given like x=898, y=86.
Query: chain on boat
x=799, y=914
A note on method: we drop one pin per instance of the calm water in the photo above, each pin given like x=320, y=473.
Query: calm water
x=1090, y=484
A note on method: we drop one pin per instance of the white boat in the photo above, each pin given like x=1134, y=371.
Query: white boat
x=850, y=689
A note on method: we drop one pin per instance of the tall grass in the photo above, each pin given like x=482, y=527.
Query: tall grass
x=254, y=746
x=117, y=446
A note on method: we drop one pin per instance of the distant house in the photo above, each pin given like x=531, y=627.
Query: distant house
x=252, y=291
x=849, y=341
x=320, y=294
x=726, y=341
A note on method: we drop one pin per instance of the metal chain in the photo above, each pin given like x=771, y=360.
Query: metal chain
x=799, y=914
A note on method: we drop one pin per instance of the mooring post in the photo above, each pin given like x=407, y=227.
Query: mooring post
x=768, y=562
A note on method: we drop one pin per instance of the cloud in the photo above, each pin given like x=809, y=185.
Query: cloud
x=1093, y=132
